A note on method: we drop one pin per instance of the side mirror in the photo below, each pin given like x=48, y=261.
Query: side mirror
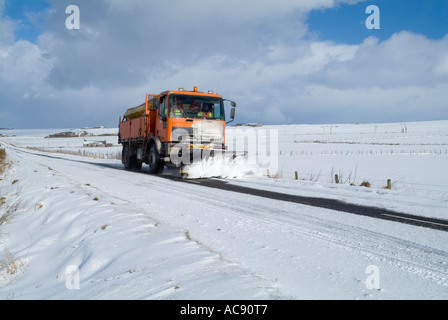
x=232, y=111
x=232, y=115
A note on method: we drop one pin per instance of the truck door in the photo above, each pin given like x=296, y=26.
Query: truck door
x=161, y=130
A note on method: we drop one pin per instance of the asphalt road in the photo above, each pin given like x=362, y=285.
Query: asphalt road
x=332, y=204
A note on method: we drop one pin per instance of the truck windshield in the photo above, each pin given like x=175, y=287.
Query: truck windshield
x=197, y=107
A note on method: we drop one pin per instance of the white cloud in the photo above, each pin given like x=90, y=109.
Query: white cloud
x=323, y=81
x=371, y=104
x=404, y=59
x=22, y=64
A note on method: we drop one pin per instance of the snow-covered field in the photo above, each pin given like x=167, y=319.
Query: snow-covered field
x=75, y=225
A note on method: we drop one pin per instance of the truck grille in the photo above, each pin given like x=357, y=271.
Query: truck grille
x=200, y=132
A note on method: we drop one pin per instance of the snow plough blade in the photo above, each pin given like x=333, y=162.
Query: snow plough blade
x=211, y=165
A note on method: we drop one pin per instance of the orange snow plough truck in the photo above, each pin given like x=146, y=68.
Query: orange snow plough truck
x=174, y=128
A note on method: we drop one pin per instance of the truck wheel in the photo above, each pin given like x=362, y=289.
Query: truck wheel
x=130, y=162
x=155, y=164
x=126, y=156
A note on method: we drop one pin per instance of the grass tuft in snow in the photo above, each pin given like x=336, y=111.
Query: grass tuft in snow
x=365, y=184
x=103, y=227
x=4, y=164
x=10, y=265
x=5, y=217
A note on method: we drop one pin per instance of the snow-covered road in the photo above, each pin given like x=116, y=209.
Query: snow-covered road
x=131, y=235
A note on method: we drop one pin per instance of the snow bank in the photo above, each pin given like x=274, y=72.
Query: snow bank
x=69, y=238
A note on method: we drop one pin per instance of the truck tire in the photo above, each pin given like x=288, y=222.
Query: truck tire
x=126, y=156
x=155, y=163
x=130, y=162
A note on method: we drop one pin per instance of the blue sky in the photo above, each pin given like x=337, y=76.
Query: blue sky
x=22, y=10
x=284, y=62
